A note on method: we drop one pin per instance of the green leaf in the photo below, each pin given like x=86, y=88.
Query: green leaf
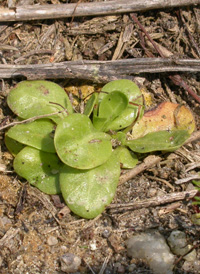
x=38, y=134
x=33, y=98
x=79, y=144
x=126, y=118
x=135, y=108
x=129, y=88
x=112, y=105
x=88, y=192
x=90, y=104
x=40, y=169
x=13, y=146
x=126, y=158
x=161, y=140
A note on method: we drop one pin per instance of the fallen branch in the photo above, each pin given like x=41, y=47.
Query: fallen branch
x=152, y=202
x=37, y=12
x=148, y=162
x=99, y=71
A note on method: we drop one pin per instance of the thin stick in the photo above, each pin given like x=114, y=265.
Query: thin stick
x=148, y=162
x=146, y=33
x=99, y=71
x=38, y=12
x=29, y=120
x=155, y=201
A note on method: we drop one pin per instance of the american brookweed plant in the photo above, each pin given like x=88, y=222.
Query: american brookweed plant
x=81, y=155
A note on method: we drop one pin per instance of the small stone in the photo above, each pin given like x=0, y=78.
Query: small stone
x=179, y=246
x=120, y=268
x=151, y=247
x=132, y=267
x=191, y=257
x=70, y=262
x=52, y=240
x=106, y=233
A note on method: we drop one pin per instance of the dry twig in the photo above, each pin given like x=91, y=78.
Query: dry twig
x=99, y=71
x=29, y=120
x=155, y=201
x=148, y=162
x=32, y=12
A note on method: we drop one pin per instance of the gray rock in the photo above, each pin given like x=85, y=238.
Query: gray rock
x=179, y=246
x=70, y=262
x=152, y=248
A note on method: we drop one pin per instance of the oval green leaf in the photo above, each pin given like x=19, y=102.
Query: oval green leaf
x=129, y=88
x=161, y=140
x=40, y=169
x=79, y=144
x=32, y=98
x=135, y=107
x=38, y=134
x=112, y=105
x=126, y=158
x=88, y=192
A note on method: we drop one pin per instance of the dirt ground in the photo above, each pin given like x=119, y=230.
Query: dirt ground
x=36, y=230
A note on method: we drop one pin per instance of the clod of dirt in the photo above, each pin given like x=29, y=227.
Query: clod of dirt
x=152, y=248
x=70, y=262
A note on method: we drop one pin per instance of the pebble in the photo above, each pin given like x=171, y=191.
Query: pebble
x=132, y=267
x=70, y=262
x=151, y=247
x=106, y=233
x=119, y=267
x=179, y=246
x=52, y=240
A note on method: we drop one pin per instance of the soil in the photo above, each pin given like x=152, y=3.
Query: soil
x=36, y=230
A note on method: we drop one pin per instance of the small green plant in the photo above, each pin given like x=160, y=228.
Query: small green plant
x=80, y=155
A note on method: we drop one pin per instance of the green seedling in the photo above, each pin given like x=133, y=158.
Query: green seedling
x=80, y=155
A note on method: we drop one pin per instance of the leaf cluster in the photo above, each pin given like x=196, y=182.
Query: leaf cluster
x=81, y=155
